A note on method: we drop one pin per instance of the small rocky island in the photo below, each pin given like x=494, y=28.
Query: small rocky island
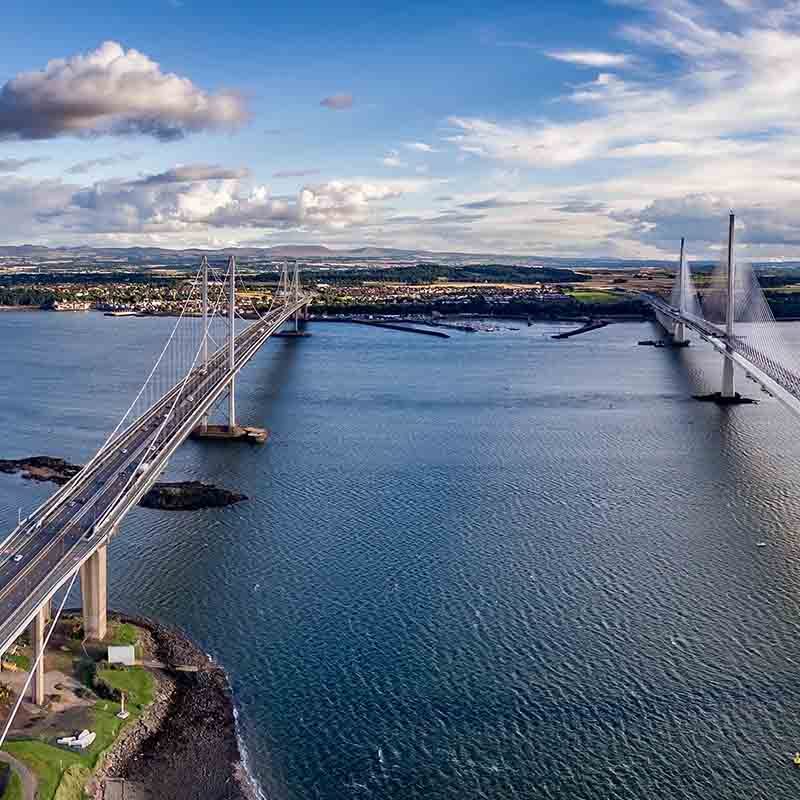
x=177, y=496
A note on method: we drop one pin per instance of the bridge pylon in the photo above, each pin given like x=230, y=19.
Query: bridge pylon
x=290, y=287
x=231, y=430
x=232, y=343
x=679, y=328
x=204, y=266
x=728, y=385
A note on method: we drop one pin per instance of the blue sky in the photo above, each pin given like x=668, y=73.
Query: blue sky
x=574, y=128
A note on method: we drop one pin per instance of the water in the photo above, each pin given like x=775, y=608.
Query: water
x=496, y=566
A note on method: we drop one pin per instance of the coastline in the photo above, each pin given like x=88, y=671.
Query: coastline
x=186, y=746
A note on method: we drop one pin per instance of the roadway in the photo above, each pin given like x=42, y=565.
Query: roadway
x=43, y=552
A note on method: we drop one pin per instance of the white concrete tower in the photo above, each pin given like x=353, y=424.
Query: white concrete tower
x=679, y=329
x=232, y=342
x=204, y=266
x=728, y=388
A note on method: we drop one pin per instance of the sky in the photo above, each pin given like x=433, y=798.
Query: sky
x=556, y=128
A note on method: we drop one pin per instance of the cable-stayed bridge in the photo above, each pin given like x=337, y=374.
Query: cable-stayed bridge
x=68, y=534
x=732, y=314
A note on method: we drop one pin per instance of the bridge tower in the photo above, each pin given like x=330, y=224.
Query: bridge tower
x=728, y=388
x=204, y=265
x=289, y=289
x=232, y=342
x=296, y=295
x=679, y=328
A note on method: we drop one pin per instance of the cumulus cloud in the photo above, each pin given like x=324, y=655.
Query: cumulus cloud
x=337, y=102
x=194, y=199
x=111, y=91
x=590, y=58
x=16, y=164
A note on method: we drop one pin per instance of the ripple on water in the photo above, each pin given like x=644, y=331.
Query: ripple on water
x=493, y=567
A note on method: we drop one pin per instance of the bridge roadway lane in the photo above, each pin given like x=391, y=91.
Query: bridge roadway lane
x=60, y=537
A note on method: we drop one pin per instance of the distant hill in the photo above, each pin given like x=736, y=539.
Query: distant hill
x=133, y=257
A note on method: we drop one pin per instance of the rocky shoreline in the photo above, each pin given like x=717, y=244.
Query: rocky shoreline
x=185, y=747
x=178, y=496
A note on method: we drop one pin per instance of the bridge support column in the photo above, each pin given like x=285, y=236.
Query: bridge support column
x=94, y=591
x=204, y=266
x=679, y=333
x=232, y=342
x=728, y=388
x=232, y=405
x=47, y=608
x=728, y=383
x=37, y=642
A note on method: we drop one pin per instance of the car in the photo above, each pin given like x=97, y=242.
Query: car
x=73, y=503
x=190, y=398
x=124, y=451
x=17, y=558
x=89, y=534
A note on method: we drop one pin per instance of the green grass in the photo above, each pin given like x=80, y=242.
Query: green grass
x=14, y=789
x=72, y=782
x=50, y=762
x=590, y=296
x=20, y=659
x=136, y=682
x=124, y=633
x=45, y=761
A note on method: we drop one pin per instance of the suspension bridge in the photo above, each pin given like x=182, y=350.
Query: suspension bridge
x=67, y=536
x=732, y=315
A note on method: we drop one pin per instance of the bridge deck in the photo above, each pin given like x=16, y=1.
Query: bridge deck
x=776, y=378
x=43, y=553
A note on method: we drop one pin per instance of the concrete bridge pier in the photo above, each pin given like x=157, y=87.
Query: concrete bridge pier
x=37, y=643
x=728, y=383
x=94, y=593
x=679, y=333
x=728, y=389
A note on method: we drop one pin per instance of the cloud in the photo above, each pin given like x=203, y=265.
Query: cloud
x=582, y=207
x=111, y=91
x=590, y=58
x=703, y=220
x=82, y=167
x=337, y=102
x=16, y=164
x=420, y=147
x=192, y=173
x=295, y=173
x=494, y=202
x=392, y=159
x=194, y=199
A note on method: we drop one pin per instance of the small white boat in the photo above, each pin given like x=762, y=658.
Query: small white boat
x=761, y=544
